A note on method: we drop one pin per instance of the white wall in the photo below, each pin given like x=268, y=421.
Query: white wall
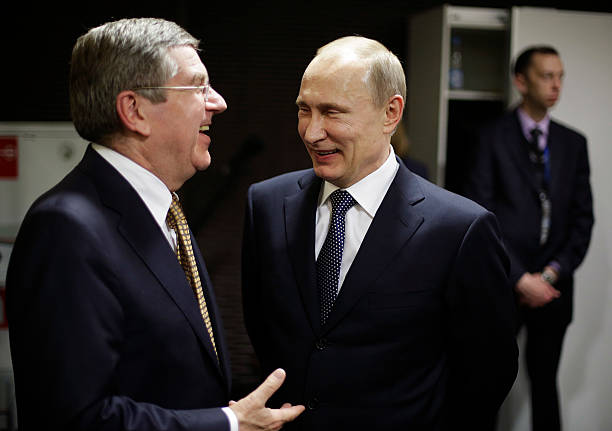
x=584, y=42
x=47, y=151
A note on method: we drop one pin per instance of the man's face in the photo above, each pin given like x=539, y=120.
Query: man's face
x=179, y=126
x=541, y=85
x=339, y=124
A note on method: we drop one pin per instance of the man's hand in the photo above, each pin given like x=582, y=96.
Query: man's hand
x=252, y=412
x=534, y=291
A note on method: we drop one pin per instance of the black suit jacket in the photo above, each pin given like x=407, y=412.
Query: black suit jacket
x=105, y=331
x=422, y=333
x=503, y=180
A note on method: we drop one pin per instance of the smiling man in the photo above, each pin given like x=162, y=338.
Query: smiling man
x=533, y=173
x=384, y=296
x=113, y=320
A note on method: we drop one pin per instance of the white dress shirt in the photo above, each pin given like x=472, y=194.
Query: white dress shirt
x=369, y=193
x=157, y=199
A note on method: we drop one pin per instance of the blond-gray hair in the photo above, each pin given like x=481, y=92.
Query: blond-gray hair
x=118, y=56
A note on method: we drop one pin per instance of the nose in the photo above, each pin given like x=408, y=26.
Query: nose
x=215, y=102
x=313, y=127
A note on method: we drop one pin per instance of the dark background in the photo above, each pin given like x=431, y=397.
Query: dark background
x=255, y=54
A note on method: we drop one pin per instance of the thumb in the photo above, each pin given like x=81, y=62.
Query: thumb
x=269, y=386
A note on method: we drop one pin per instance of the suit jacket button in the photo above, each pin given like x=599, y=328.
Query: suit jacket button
x=313, y=403
x=321, y=344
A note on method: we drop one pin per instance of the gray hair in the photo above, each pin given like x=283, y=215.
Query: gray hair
x=385, y=76
x=118, y=56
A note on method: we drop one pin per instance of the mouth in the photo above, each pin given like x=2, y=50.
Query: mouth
x=325, y=153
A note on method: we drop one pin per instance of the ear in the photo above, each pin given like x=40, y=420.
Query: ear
x=520, y=82
x=393, y=113
x=132, y=113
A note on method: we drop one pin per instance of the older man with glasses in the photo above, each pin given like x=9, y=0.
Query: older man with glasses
x=113, y=320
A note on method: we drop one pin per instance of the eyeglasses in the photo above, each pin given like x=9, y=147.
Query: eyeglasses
x=203, y=89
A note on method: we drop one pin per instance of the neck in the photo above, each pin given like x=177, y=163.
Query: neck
x=135, y=151
x=536, y=114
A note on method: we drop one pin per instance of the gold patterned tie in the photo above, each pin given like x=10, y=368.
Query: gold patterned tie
x=177, y=221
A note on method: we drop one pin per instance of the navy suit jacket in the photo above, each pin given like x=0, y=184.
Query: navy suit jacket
x=502, y=179
x=421, y=336
x=105, y=331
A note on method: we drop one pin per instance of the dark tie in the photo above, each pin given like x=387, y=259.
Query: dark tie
x=535, y=140
x=540, y=160
x=330, y=256
x=177, y=221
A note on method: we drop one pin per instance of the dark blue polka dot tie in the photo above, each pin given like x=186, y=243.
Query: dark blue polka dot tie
x=330, y=256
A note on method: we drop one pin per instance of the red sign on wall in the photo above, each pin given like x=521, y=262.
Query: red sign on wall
x=8, y=157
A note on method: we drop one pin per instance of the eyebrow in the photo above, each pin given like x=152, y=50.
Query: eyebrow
x=199, y=78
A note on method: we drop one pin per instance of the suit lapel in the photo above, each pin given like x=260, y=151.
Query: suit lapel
x=555, y=157
x=300, y=213
x=143, y=234
x=514, y=142
x=214, y=313
x=394, y=224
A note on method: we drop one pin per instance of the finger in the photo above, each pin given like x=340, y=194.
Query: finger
x=232, y=402
x=288, y=414
x=269, y=386
x=284, y=406
x=554, y=293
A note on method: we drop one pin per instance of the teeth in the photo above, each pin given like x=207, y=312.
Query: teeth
x=324, y=153
x=204, y=128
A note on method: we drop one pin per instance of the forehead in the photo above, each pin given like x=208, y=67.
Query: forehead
x=190, y=66
x=546, y=62
x=334, y=78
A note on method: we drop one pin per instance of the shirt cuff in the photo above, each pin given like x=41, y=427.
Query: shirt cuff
x=231, y=416
x=556, y=266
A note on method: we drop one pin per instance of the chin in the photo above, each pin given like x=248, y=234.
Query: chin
x=203, y=162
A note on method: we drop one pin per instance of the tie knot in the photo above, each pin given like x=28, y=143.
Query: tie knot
x=175, y=214
x=341, y=201
x=535, y=134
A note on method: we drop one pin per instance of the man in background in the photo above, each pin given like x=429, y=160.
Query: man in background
x=533, y=173
x=384, y=296
x=112, y=315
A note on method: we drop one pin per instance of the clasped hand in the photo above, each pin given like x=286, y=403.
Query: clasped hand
x=535, y=292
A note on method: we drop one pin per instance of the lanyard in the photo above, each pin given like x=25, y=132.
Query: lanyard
x=546, y=161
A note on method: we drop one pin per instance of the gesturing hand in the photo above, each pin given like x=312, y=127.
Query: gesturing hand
x=252, y=412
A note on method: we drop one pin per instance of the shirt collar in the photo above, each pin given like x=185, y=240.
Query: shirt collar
x=528, y=124
x=151, y=189
x=371, y=190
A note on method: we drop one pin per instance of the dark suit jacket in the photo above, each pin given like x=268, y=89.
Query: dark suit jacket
x=416, y=166
x=503, y=180
x=422, y=332
x=105, y=331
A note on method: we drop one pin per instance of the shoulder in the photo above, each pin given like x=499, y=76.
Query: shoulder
x=502, y=122
x=70, y=209
x=284, y=184
x=448, y=205
x=74, y=196
x=568, y=132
